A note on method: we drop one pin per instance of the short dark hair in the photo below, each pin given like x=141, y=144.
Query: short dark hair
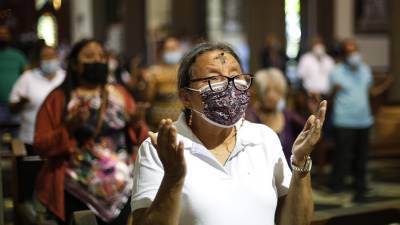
x=185, y=68
x=345, y=43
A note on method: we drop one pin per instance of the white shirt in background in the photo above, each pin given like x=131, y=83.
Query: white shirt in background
x=34, y=86
x=243, y=191
x=315, y=72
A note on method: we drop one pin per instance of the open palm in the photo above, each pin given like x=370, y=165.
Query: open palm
x=309, y=136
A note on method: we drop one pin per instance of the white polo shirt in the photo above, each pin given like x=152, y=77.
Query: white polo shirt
x=315, y=73
x=34, y=86
x=243, y=191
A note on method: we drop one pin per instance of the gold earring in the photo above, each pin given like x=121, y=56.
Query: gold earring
x=189, y=122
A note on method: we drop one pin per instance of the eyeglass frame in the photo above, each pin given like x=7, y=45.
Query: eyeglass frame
x=230, y=79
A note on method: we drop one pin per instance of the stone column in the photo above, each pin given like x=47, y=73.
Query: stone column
x=214, y=20
x=343, y=18
x=81, y=19
x=134, y=27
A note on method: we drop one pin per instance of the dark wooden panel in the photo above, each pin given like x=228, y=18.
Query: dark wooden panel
x=134, y=27
x=261, y=18
x=188, y=18
x=394, y=6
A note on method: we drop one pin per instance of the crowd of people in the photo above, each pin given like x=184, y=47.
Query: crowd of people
x=89, y=116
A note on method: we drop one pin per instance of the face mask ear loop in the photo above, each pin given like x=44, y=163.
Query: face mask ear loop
x=243, y=119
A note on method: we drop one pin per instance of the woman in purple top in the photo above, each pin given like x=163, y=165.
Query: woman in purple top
x=269, y=108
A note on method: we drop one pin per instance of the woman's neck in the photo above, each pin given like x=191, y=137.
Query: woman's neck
x=50, y=77
x=87, y=86
x=210, y=135
x=88, y=90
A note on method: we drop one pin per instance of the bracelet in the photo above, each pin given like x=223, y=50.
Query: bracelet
x=305, y=168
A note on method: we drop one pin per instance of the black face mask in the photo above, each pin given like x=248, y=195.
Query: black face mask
x=95, y=73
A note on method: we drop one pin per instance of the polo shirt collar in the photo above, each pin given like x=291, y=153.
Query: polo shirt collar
x=245, y=137
x=186, y=131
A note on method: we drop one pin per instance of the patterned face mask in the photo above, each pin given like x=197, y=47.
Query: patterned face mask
x=223, y=108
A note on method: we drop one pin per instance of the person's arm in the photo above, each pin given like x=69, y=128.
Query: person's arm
x=19, y=94
x=54, y=130
x=52, y=134
x=297, y=206
x=165, y=209
x=376, y=90
x=16, y=107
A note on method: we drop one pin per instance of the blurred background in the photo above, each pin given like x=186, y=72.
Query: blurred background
x=282, y=35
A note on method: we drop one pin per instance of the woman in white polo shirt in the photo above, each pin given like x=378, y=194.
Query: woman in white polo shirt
x=32, y=88
x=211, y=166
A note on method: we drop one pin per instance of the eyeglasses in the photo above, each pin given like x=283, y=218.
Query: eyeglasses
x=220, y=83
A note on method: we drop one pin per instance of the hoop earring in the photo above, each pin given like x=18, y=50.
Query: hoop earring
x=190, y=117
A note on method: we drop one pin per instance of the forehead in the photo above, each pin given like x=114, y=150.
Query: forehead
x=171, y=44
x=350, y=47
x=48, y=51
x=215, y=60
x=317, y=42
x=92, y=47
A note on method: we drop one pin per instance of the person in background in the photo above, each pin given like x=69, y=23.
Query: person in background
x=314, y=68
x=117, y=74
x=352, y=85
x=12, y=65
x=87, y=130
x=135, y=81
x=139, y=79
x=212, y=166
x=162, y=92
x=270, y=108
x=272, y=55
x=32, y=88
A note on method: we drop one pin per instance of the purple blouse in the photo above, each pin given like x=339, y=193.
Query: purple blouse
x=293, y=125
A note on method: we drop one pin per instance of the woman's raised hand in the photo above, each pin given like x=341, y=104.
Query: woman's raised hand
x=309, y=136
x=169, y=151
x=76, y=118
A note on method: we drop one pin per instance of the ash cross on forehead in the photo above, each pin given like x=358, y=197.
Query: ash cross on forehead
x=221, y=57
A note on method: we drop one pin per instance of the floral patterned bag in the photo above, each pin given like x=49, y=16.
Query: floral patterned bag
x=99, y=172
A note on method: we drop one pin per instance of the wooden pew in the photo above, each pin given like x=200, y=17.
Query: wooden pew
x=24, y=171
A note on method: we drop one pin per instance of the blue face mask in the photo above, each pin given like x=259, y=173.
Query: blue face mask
x=354, y=59
x=172, y=57
x=49, y=67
